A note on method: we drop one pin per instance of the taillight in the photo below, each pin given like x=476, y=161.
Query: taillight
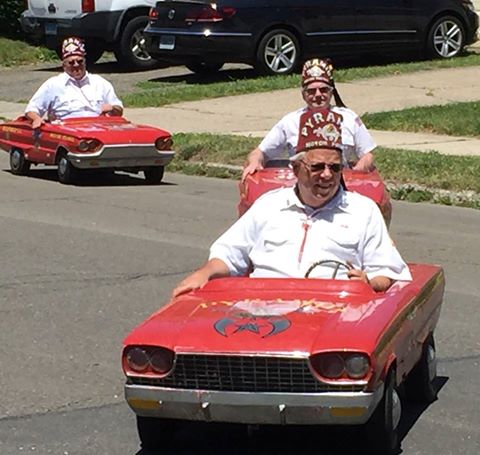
x=210, y=14
x=88, y=6
x=153, y=14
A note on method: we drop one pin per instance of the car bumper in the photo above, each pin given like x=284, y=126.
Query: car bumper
x=339, y=408
x=51, y=32
x=121, y=157
x=184, y=46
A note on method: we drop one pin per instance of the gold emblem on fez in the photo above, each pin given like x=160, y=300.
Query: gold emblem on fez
x=330, y=133
x=315, y=71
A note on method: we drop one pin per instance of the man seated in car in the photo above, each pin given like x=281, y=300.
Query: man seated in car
x=289, y=229
x=73, y=93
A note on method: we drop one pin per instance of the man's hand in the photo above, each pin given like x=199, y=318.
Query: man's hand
x=365, y=163
x=254, y=163
x=110, y=109
x=37, y=123
x=378, y=283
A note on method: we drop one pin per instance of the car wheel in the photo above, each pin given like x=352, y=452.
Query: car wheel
x=445, y=38
x=278, y=53
x=419, y=385
x=382, y=428
x=18, y=164
x=131, y=51
x=155, y=434
x=154, y=175
x=65, y=171
x=203, y=68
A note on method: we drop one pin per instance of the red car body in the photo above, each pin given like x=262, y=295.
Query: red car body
x=286, y=351
x=369, y=184
x=103, y=142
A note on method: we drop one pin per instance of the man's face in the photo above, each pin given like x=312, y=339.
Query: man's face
x=317, y=186
x=317, y=95
x=75, y=66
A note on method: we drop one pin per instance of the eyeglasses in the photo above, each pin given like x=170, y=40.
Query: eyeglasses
x=79, y=62
x=320, y=167
x=322, y=90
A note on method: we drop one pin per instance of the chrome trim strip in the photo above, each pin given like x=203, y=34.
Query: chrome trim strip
x=361, y=32
x=205, y=33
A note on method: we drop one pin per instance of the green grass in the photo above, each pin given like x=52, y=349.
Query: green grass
x=455, y=119
x=191, y=88
x=14, y=53
x=410, y=175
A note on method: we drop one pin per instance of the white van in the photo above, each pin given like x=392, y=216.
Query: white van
x=113, y=25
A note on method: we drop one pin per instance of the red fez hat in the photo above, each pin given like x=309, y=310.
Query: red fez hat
x=73, y=46
x=320, y=128
x=317, y=70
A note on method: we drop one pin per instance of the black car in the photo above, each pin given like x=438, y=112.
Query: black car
x=275, y=36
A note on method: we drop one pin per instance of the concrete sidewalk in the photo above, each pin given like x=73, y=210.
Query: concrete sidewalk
x=254, y=114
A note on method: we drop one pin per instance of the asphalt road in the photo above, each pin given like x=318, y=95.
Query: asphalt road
x=81, y=265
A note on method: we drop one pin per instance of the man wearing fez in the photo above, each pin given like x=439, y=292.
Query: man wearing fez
x=73, y=93
x=289, y=229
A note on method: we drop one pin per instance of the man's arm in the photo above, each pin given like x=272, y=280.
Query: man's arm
x=254, y=163
x=214, y=268
x=365, y=163
x=35, y=118
x=112, y=109
x=377, y=283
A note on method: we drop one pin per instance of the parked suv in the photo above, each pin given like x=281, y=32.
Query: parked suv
x=276, y=35
x=113, y=25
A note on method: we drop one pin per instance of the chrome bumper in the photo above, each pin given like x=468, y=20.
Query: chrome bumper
x=121, y=157
x=339, y=408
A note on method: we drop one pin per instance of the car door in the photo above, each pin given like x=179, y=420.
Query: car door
x=327, y=24
x=386, y=22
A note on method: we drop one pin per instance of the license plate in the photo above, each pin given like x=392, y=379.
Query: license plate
x=167, y=42
x=50, y=29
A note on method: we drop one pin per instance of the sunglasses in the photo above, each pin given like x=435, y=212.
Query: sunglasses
x=322, y=90
x=320, y=167
x=79, y=62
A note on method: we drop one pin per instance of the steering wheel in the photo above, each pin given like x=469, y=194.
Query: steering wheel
x=338, y=264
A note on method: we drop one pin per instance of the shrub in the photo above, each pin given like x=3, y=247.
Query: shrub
x=9, y=13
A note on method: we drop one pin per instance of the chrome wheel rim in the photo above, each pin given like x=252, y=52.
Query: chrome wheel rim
x=280, y=53
x=16, y=159
x=138, y=46
x=448, y=39
x=396, y=409
x=432, y=363
x=62, y=165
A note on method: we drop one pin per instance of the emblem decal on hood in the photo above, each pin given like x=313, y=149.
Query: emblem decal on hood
x=262, y=326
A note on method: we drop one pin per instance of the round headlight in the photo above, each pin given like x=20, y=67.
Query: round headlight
x=357, y=365
x=83, y=145
x=137, y=359
x=162, y=361
x=330, y=365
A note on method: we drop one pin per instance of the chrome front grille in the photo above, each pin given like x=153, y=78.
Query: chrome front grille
x=243, y=374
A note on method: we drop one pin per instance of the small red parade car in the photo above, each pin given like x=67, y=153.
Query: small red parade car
x=278, y=174
x=286, y=352
x=75, y=144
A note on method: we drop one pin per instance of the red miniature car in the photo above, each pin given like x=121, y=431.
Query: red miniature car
x=75, y=144
x=278, y=174
x=286, y=352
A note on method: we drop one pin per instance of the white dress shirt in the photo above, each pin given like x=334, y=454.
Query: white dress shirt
x=281, y=237
x=62, y=97
x=356, y=139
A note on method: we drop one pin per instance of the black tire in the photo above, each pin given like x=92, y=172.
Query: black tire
x=446, y=38
x=420, y=383
x=19, y=165
x=130, y=51
x=94, y=52
x=382, y=428
x=67, y=174
x=155, y=434
x=203, y=68
x=278, y=53
x=154, y=175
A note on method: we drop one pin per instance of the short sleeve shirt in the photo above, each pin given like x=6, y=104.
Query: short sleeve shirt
x=62, y=97
x=281, y=237
x=356, y=139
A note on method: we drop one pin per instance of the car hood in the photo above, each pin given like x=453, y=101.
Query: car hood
x=274, y=317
